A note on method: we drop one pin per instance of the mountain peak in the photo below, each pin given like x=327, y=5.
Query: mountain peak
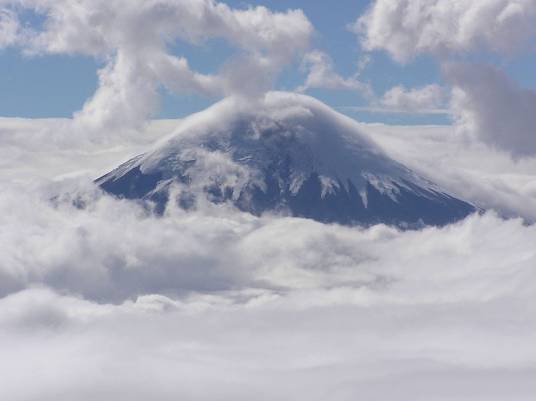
x=286, y=152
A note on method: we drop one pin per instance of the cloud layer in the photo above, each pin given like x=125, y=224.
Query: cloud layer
x=470, y=169
x=221, y=305
x=108, y=302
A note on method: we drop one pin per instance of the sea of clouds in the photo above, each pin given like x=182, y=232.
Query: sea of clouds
x=107, y=302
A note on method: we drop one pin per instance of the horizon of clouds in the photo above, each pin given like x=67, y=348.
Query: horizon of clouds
x=321, y=74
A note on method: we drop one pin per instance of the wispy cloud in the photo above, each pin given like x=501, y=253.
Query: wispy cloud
x=390, y=110
x=321, y=74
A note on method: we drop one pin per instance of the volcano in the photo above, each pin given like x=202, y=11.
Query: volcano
x=287, y=154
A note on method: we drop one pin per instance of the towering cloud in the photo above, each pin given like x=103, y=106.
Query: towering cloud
x=133, y=37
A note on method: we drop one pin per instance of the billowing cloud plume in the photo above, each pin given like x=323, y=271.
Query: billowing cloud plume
x=405, y=28
x=133, y=38
x=487, y=103
x=322, y=74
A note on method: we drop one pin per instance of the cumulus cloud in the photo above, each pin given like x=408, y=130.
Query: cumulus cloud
x=133, y=39
x=489, y=105
x=322, y=74
x=408, y=27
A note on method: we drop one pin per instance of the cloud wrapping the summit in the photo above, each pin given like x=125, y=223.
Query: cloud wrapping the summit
x=108, y=302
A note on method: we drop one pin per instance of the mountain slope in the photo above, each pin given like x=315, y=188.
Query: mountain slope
x=288, y=153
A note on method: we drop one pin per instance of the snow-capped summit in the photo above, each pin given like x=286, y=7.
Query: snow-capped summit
x=288, y=153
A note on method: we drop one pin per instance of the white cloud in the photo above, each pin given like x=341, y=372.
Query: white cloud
x=406, y=28
x=133, y=38
x=221, y=305
x=427, y=99
x=467, y=168
x=489, y=105
x=486, y=104
x=108, y=303
x=321, y=74
x=9, y=26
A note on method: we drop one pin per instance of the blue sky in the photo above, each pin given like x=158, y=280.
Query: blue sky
x=58, y=85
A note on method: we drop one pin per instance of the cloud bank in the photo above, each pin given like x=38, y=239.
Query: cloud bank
x=108, y=302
